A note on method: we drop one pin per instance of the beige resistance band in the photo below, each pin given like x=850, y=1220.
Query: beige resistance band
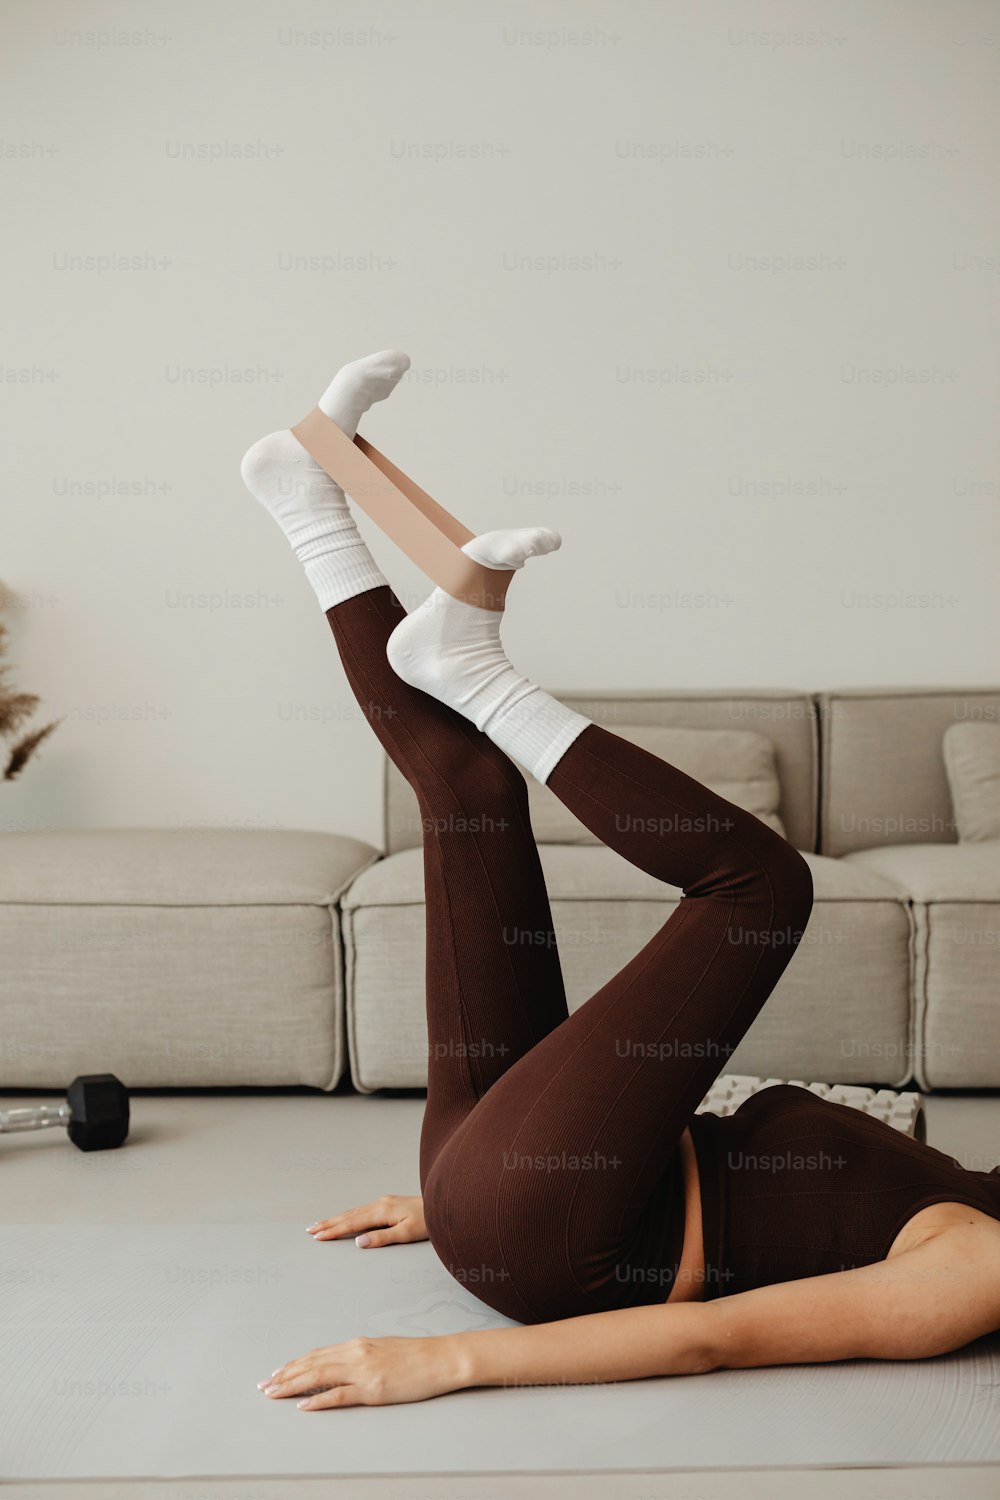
x=418, y=525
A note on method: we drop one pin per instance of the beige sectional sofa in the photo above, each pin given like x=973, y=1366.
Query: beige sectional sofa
x=898, y=975
x=195, y=959
x=886, y=808
x=181, y=958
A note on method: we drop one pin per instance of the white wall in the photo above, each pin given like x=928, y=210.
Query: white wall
x=665, y=147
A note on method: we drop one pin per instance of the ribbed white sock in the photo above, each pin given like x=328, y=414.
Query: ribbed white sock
x=306, y=503
x=452, y=650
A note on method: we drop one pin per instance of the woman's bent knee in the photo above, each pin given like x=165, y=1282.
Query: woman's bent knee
x=791, y=884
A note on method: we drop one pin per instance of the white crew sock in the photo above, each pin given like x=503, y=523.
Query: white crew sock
x=452, y=650
x=306, y=503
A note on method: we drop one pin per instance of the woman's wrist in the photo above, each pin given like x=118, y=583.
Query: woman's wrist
x=502, y=1356
x=463, y=1359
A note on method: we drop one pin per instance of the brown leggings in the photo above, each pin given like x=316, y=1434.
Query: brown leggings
x=549, y=1149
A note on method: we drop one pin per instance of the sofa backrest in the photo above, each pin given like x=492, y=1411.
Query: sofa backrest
x=787, y=718
x=882, y=778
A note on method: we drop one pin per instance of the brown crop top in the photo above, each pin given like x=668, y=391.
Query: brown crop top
x=793, y=1185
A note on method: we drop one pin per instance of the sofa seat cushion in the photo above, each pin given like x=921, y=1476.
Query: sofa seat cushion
x=840, y=1013
x=955, y=889
x=936, y=872
x=572, y=873
x=182, y=958
x=594, y=873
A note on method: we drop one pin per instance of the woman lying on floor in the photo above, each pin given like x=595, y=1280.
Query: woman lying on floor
x=566, y=1179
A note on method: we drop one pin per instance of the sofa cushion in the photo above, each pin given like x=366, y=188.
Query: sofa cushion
x=738, y=764
x=572, y=874
x=884, y=780
x=934, y=872
x=173, y=958
x=955, y=889
x=972, y=761
x=840, y=1013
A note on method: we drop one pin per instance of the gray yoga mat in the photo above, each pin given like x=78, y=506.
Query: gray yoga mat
x=134, y=1351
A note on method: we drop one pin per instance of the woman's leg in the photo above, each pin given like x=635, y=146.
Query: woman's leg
x=548, y=1198
x=554, y=1194
x=490, y=998
x=544, y=1191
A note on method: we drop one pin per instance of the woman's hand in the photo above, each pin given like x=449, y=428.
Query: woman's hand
x=389, y=1220
x=371, y=1372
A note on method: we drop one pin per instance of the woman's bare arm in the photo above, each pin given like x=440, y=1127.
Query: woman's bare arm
x=930, y=1300
x=927, y=1301
x=937, y=1297
x=597, y=1347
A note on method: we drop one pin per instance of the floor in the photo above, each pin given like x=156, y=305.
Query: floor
x=249, y=1157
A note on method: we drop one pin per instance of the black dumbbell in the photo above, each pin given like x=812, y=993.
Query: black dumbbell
x=95, y=1113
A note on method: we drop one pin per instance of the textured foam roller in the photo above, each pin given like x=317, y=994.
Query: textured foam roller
x=903, y=1111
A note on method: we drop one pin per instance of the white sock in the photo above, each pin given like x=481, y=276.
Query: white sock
x=306, y=503
x=452, y=650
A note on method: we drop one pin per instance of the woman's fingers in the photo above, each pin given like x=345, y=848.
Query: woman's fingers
x=367, y=1372
x=373, y=1238
x=389, y=1212
x=320, y=1374
x=352, y=1222
x=340, y=1228
x=283, y=1386
x=309, y=1367
x=347, y=1223
x=337, y=1395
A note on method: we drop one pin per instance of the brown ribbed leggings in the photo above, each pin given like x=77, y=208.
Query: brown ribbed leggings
x=549, y=1148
